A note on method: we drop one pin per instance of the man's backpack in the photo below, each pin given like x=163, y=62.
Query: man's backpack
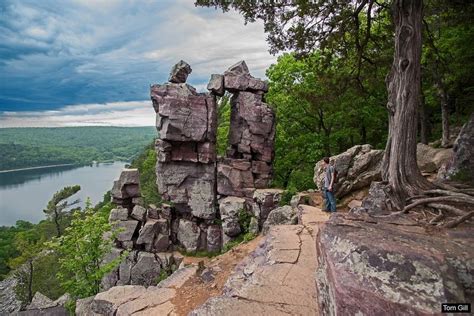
x=336, y=173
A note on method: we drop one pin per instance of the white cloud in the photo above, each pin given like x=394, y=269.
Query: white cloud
x=85, y=51
x=133, y=113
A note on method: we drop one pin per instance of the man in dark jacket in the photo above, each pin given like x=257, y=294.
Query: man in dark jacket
x=328, y=188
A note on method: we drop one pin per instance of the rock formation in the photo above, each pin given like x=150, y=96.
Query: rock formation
x=357, y=168
x=189, y=175
x=248, y=162
x=461, y=164
x=143, y=231
x=399, y=269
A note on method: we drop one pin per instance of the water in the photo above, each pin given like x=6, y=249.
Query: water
x=24, y=194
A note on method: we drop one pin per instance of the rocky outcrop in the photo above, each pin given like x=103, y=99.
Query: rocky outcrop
x=461, y=164
x=43, y=305
x=284, y=215
x=408, y=272
x=126, y=188
x=357, y=168
x=248, y=162
x=9, y=304
x=143, y=231
x=430, y=159
x=189, y=175
x=360, y=165
x=186, y=123
x=134, y=299
x=264, y=201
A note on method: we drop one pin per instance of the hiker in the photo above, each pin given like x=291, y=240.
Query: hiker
x=328, y=189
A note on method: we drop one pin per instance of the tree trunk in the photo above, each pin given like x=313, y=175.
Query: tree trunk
x=443, y=98
x=400, y=169
x=423, y=121
x=56, y=222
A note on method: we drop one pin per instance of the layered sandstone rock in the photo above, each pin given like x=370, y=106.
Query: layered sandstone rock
x=186, y=123
x=143, y=231
x=399, y=269
x=247, y=164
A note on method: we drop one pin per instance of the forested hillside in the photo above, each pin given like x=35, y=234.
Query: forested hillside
x=32, y=147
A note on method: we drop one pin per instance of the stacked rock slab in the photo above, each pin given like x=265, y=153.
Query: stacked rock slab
x=143, y=231
x=186, y=175
x=248, y=162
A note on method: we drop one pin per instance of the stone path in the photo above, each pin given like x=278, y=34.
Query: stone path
x=278, y=277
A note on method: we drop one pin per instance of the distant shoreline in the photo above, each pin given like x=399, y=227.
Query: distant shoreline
x=40, y=167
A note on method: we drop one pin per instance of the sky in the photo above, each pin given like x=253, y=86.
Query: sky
x=91, y=62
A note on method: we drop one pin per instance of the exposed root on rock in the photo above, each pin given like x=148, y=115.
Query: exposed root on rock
x=448, y=202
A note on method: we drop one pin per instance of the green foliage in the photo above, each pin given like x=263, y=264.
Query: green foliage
x=200, y=253
x=231, y=244
x=463, y=175
x=7, y=244
x=163, y=276
x=82, y=250
x=249, y=236
x=447, y=62
x=244, y=220
x=29, y=244
x=242, y=238
x=146, y=163
x=32, y=147
x=223, y=125
x=320, y=112
x=287, y=195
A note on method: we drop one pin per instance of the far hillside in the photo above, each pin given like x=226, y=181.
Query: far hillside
x=34, y=147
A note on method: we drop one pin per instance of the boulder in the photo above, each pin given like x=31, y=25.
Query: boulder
x=148, y=232
x=125, y=229
x=146, y=271
x=125, y=268
x=9, y=304
x=188, y=234
x=265, y=200
x=235, y=178
x=181, y=182
x=357, y=168
x=216, y=84
x=214, y=238
x=461, y=164
x=84, y=307
x=230, y=207
x=180, y=72
x=41, y=301
x=127, y=186
x=139, y=213
x=118, y=214
x=110, y=279
x=106, y=303
x=161, y=243
x=430, y=159
x=377, y=268
x=284, y=215
x=239, y=68
x=253, y=226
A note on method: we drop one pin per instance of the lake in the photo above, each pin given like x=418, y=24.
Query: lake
x=25, y=193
